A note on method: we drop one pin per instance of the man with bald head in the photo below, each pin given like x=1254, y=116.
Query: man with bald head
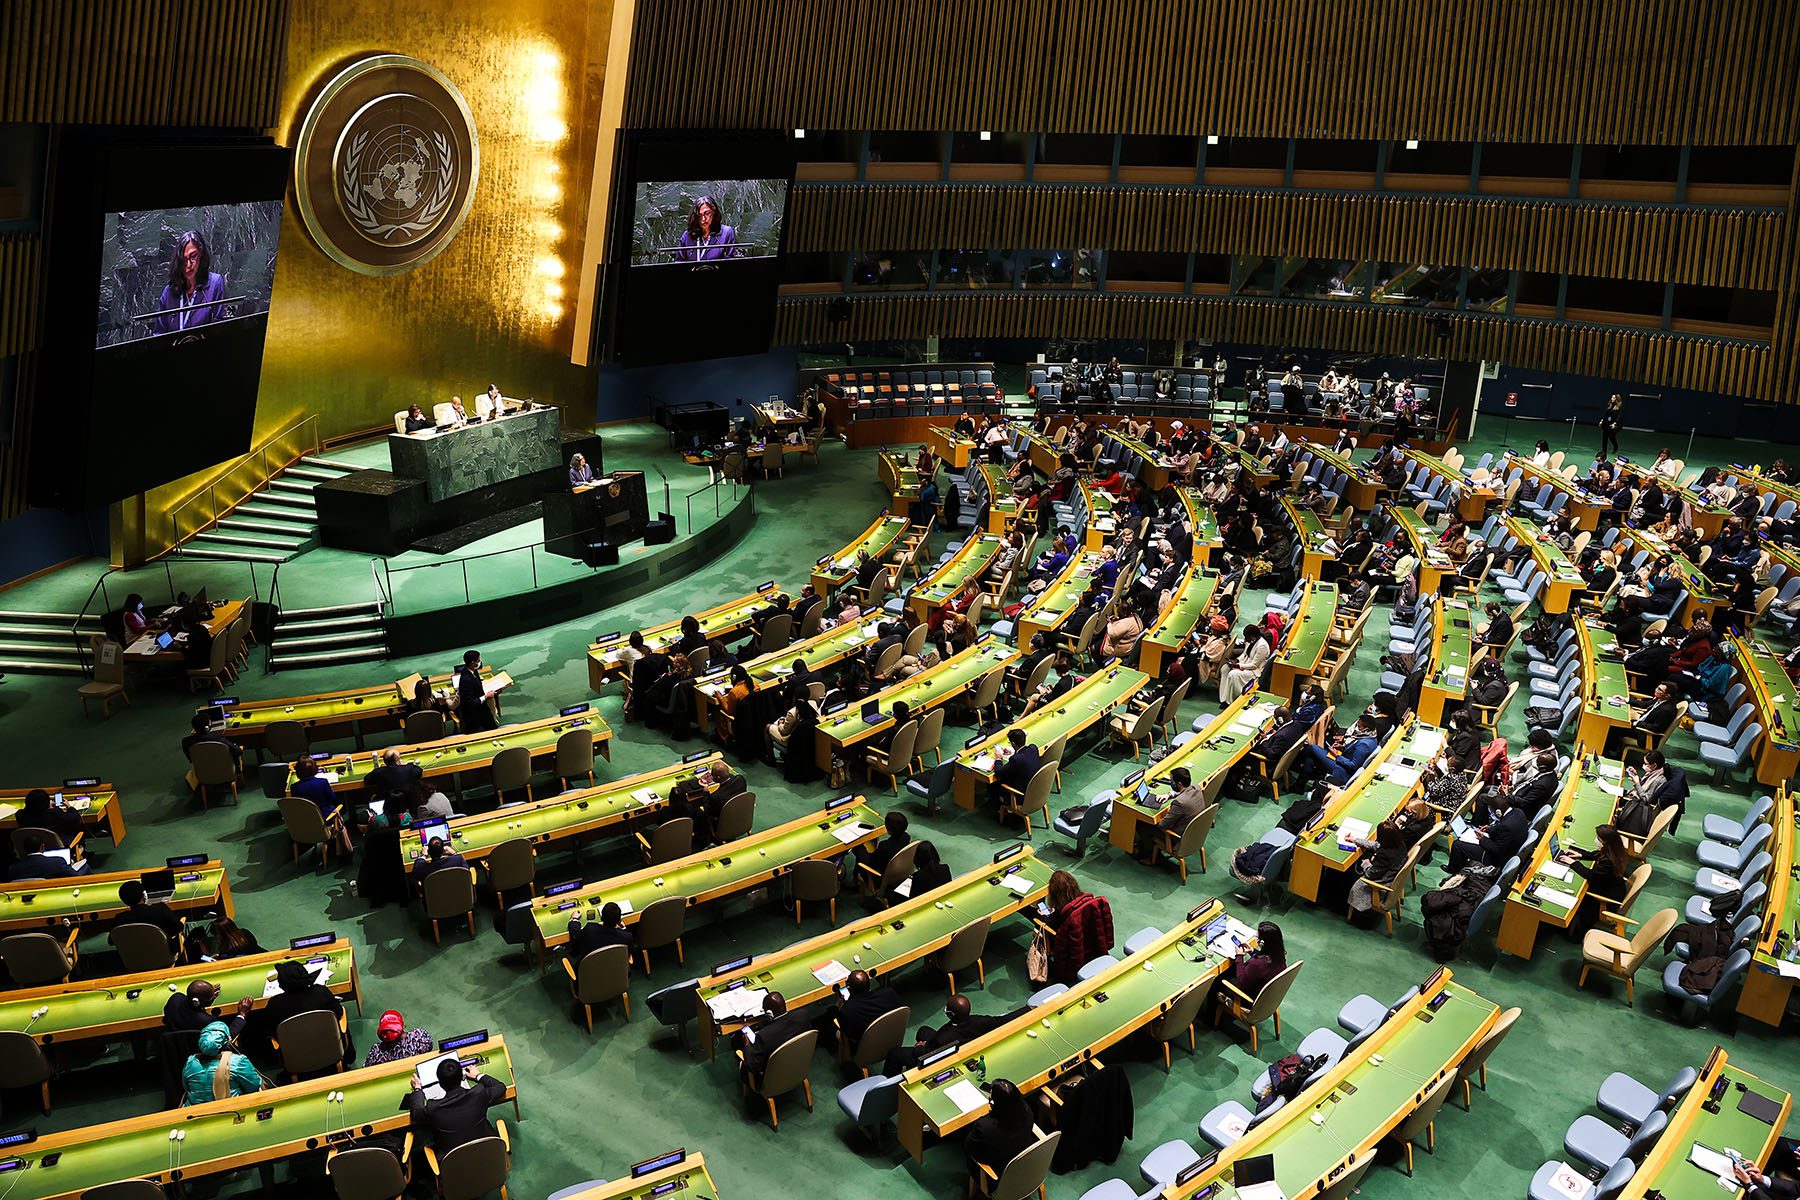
x=192, y=1010
x=765, y=1036
x=961, y=1025
x=862, y=1004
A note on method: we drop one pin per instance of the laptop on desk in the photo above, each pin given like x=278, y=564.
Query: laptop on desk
x=159, y=886
x=1254, y=1178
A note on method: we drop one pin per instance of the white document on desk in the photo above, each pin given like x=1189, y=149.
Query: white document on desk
x=1018, y=883
x=851, y=832
x=1708, y=1159
x=966, y=1096
x=738, y=1004
x=1556, y=896
x=1399, y=775
x=831, y=972
x=645, y=795
x=1786, y=969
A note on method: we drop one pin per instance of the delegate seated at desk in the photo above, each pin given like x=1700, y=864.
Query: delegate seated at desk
x=417, y=421
x=38, y=861
x=458, y=1116
x=579, y=471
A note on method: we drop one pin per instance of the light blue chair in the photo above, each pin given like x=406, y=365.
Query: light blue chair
x=1112, y=1189
x=935, y=786
x=1361, y=1012
x=1599, y=1144
x=1321, y=1043
x=1732, y=859
x=1623, y=1097
x=871, y=1103
x=1722, y=829
x=1729, y=977
x=1607, y=1187
x=575, y=1189
x=1163, y=1164
x=1723, y=732
x=1709, y=883
x=1699, y=909
x=1725, y=759
x=1142, y=938
x=1093, y=818
x=1096, y=966
x=1044, y=996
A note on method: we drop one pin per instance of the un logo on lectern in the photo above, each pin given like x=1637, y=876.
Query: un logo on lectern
x=385, y=165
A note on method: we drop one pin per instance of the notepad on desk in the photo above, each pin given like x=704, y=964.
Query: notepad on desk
x=832, y=972
x=1556, y=896
x=1017, y=883
x=1556, y=870
x=1401, y=775
x=645, y=795
x=966, y=1096
x=851, y=832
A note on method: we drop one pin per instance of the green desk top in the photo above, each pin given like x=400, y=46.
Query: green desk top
x=1412, y=1056
x=718, y=871
x=1076, y=1022
x=1193, y=598
x=875, y=541
x=1304, y=643
x=1307, y=525
x=560, y=816
x=904, y=475
x=1773, y=690
x=1450, y=673
x=1423, y=538
x=1698, y=584
x=1200, y=518
x=1586, y=802
x=922, y=692
x=726, y=618
x=1150, y=454
x=964, y=567
x=1782, y=917
x=892, y=938
x=1375, y=793
x=1218, y=747
x=1100, y=502
x=1556, y=479
x=1000, y=497
x=96, y=897
x=465, y=751
x=1731, y=1126
x=1603, y=673
x=94, y=1007
x=820, y=650
x=690, y=1180
x=380, y=700
x=1050, y=606
x=1082, y=705
x=139, y=1147
x=91, y=803
x=1547, y=554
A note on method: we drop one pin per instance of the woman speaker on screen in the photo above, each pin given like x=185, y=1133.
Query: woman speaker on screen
x=194, y=294
x=706, y=237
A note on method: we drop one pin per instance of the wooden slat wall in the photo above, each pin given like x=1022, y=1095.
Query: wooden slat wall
x=1660, y=72
x=215, y=63
x=21, y=258
x=1732, y=368
x=1725, y=248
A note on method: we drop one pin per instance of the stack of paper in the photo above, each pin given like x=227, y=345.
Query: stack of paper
x=645, y=795
x=1404, y=776
x=1427, y=742
x=832, y=972
x=984, y=762
x=1353, y=830
x=739, y=1004
x=1556, y=896
x=1018, y=883
x=966, y=1096
x=850, y=831
x=1556, y=870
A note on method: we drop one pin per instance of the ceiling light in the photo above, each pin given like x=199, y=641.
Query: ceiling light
x=1212, y=139
x=1412, y=143
x=987, y=135
x=800, y=133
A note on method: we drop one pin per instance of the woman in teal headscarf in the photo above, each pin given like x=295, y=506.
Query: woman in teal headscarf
x=214, y=1072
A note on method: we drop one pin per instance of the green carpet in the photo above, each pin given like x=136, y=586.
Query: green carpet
x=593, y=1105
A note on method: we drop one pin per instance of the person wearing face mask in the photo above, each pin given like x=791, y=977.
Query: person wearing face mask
x=191, y=1011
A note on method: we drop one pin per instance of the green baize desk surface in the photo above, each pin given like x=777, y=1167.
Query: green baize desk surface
x=1064, y=592
x=977, y=553
x=1306, y=638
x=1077, y=708
x=472, y=751
x=728, y=616
x=709, y=872
x=823, y=649
x=78, y=898
x=1730, y=1127
x=1412, y=1056
x=1451, y=670
x=875, y=542
x=1603, y=672
x=1218, y=747
x=139, y=1147
x=1779, y=690
x=1077, y=1021
x=545, y=820
x=379, y=700
x=1559, y=889
x=1375, y=794
x=1423, y=538
x=1788, y=918
x=1184, y=612
x=89, y=803
x=950, y=676
x=895, y=935
x=86, y=1004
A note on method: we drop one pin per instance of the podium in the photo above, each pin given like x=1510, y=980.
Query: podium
x=613, y=509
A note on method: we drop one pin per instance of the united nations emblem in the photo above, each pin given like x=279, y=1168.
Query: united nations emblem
x=385, y=165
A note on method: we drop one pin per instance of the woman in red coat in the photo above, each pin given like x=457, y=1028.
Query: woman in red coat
x=1081, y=927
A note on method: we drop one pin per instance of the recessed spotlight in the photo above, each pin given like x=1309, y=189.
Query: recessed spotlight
x=799, y=133
x=1212, y=139
x=987, y=135
x=1412, y=143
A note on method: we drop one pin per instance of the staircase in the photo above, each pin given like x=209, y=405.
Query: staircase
x=325, y=637
x=275, y=524
x=38, y=643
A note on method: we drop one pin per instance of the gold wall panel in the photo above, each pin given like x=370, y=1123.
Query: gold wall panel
x=1729, y=367
x=1720, y=247
x=1718, y=72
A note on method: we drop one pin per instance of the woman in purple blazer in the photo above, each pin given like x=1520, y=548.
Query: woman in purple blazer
x=191, y=283
x=706, y=238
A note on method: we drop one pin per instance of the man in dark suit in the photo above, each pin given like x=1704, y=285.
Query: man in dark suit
x=862, y=1006
x=893, y=633
x=37, y=863
x=394, y=777
x=437, y=857
x=701, y=798
x=876, y=857
x=191, y=1011
x=1494, y=842
x=139, y=912
x=1540, y=789
x=597, y=935
x=866, y=570
x=1015, y=771
x=460, y=1114
x=961, y=1025
x=472, y=712
x=1648, y=725
x=204, y=732
x=766, y=1036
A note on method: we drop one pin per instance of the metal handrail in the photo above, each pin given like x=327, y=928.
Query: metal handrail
x=100, y=590
x=210, y=492
x=717, y=482
x=384, y=594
